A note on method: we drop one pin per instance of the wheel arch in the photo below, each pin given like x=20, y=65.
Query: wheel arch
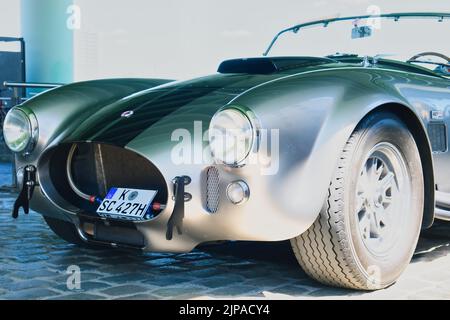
x=318, y=112
x=418, y=131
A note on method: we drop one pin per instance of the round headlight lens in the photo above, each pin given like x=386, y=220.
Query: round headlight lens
x=231, y=136
x=17, y=130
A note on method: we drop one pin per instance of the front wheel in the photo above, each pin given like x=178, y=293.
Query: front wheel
x=368, y=228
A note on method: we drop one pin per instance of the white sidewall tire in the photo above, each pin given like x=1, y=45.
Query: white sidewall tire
x=332, y=250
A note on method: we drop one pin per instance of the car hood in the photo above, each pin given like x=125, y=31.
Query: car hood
x=122, y=121
x=197, y=100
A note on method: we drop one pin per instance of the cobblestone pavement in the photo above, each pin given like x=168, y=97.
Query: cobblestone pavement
x=33, y=265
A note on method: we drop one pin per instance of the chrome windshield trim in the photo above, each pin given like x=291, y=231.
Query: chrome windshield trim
x=325, y=22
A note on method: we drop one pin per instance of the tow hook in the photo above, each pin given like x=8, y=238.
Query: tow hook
x=180, y=197
x=25, y=195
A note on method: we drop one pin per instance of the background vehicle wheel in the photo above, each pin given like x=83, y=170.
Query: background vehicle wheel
x=368, y=228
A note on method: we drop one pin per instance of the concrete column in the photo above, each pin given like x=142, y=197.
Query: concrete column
x=49, y=40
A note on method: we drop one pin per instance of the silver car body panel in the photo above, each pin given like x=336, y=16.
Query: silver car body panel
x=314, y=111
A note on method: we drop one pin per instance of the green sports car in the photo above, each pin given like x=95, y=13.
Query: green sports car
x=344, y=154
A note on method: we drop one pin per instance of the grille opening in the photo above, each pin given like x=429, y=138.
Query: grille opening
x=95, y=169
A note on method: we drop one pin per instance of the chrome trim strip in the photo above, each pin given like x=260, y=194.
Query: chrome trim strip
x=325, y=22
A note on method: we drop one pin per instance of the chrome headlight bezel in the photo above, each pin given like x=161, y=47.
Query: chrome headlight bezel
x=248, y=121
x=30, y=124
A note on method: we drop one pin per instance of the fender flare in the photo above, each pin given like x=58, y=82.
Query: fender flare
x=418, y=131
x=73, y=103
x=319, y=116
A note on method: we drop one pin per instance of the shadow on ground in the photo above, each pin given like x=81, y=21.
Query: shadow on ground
x=433, y=243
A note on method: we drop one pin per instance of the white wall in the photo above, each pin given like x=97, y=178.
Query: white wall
x=181, y=39
x=9, y=22
x=185, y=38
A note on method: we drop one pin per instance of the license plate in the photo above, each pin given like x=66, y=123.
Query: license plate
x=126, y=203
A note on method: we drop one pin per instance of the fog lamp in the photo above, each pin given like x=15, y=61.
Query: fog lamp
x=238, y=192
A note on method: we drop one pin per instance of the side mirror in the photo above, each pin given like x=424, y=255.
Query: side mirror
x=361, y=32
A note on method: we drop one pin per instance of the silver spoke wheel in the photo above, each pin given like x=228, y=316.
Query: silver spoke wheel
x=382, y=196
x=368, y=228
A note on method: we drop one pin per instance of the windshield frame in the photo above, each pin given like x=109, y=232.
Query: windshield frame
x=325, y=22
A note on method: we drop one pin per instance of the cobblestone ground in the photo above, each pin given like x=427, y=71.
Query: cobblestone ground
x=33, y=265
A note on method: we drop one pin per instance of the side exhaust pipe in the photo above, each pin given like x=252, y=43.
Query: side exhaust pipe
x=441, y=214
x=442, y=209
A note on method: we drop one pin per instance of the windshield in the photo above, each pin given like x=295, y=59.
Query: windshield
x=398, y=38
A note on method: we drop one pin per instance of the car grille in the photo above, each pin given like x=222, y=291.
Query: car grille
x=95, y=169
x=212, y=189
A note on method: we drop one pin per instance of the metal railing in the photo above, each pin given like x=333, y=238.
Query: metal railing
x=18, y=97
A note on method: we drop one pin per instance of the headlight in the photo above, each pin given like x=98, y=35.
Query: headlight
x=231, y=136
x=20, y=130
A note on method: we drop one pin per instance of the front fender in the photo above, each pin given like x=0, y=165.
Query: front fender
x=64, y=108
x=315, y=114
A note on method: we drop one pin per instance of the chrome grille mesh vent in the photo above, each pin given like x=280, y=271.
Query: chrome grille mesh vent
x=212, y=189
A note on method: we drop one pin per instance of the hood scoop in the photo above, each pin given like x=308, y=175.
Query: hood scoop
x=269, y=65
